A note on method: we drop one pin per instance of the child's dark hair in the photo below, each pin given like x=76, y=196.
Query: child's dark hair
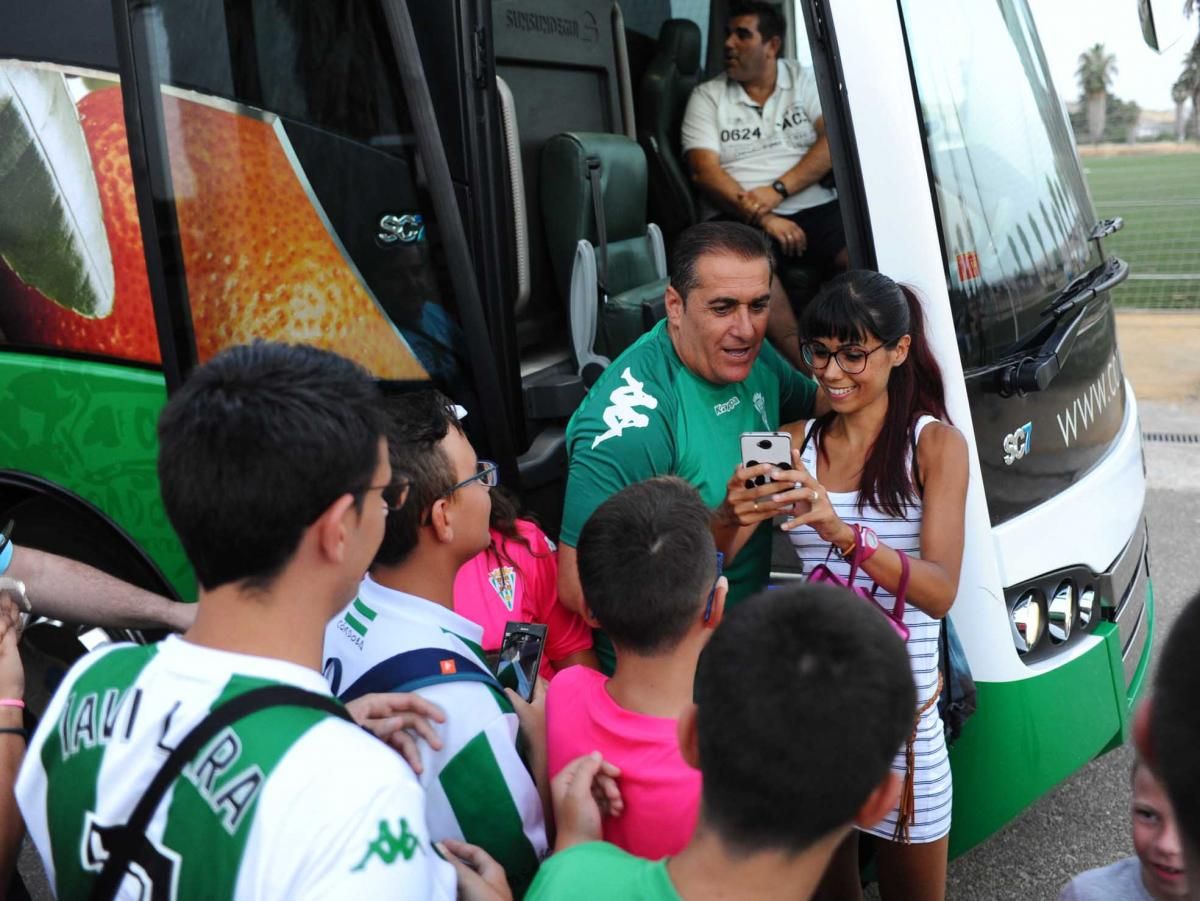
x=804, y=695
x=255, y=446
x=647, y=562
x=505, y=513
x=855, y=306
x=1175, y=723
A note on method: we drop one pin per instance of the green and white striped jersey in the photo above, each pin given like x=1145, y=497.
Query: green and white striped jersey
x=477, y=787
x=288, y=802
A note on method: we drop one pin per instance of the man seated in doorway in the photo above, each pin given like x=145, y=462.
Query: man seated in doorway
x=754, y=141
x=677, y=402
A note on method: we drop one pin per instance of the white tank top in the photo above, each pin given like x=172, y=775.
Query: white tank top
x=933, y=782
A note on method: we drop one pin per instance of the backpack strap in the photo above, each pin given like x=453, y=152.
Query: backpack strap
x=124, y=840
x=419, y=669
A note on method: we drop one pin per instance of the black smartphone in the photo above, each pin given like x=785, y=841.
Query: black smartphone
x=520, y=657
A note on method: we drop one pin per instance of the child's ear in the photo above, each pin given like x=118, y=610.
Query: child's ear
x=439, y=520
x=590, y=618
x=720, y=592
x=689, y=737
x=882, y=799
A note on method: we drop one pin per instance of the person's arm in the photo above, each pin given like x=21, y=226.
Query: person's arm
x=808, y=170
x=933, y=579
x=66, y=589
x=718, y=187
x=12, y=744
x=532, y=717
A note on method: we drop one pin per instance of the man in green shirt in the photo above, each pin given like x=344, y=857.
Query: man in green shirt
x=678, y=400
x=803, y=696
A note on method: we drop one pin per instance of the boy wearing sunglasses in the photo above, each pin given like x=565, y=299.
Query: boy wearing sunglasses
x=401, y=634
x=651, y=576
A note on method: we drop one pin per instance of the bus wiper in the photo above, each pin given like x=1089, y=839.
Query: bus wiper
x=1035, y=371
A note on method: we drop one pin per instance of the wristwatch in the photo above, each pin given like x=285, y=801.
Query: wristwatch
x=779, y=186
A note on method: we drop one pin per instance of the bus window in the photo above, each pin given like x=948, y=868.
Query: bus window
x=1014, y=210
x=297, y=187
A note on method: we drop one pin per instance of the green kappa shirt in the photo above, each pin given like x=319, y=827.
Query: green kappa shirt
x=649, y=415
x=599, y=871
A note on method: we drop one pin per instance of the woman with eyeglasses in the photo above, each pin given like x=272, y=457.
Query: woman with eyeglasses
x=881, y=475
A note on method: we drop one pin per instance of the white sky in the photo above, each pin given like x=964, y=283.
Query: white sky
x=1069, y=27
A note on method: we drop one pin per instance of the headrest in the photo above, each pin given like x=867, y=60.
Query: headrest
x=679, y=39
x=565, y=181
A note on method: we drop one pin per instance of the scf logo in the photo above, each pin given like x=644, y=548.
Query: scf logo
x=1018, y=444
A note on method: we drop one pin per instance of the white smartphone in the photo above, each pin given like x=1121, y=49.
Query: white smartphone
x=766, y=447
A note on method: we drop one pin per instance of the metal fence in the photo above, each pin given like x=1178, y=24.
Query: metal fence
x=1158, y=195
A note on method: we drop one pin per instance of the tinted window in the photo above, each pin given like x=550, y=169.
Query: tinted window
x=296, y=184
x=1014, y=211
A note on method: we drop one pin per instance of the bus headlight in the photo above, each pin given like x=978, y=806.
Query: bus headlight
x=1062, y=613
x=1087, y=606
x=1027, y=621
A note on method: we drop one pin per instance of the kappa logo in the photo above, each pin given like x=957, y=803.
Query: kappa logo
x=504, y=580
x=726, y=406
x=622, y=413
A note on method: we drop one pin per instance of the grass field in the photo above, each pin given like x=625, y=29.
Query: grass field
x=1159, y=199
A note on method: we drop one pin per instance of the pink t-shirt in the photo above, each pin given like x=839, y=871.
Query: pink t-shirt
x=661, y=792
x=491, y=592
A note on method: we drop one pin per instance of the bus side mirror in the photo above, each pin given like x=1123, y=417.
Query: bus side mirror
x=1163, y=23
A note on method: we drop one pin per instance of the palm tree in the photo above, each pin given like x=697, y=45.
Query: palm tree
x=1180, y=93
x=1095, y=74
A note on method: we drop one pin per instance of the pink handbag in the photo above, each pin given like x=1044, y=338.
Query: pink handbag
x=822, y=573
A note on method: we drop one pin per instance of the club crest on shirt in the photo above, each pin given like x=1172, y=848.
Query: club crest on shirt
x=621, y=414
x=504, y=580
x=760, y=404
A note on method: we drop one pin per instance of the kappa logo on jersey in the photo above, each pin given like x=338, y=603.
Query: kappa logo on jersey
x=622, y=414
x=354, y=627
x=504, y=580
x=727, y=405
x=389, y=847
x=760, y=404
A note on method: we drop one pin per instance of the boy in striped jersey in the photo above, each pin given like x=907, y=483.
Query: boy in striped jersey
x=273, y=466
x=802, y=696
x=477, y=785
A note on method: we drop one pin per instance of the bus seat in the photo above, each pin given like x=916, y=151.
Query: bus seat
x=668, y=81
x=607, y=261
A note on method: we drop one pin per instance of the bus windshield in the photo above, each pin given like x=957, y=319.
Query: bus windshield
x=1014, y=211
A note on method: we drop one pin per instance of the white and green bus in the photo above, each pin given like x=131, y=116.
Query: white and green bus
x=408, y=182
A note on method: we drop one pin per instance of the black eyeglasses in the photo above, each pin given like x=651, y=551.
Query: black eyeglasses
x=487, y=474
x=850, y=359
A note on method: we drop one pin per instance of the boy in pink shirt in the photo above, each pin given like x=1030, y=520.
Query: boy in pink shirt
x=515, y=579
x=649, y=571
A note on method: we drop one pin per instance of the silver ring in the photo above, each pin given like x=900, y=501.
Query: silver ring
x=816, y=495
x=756, y=503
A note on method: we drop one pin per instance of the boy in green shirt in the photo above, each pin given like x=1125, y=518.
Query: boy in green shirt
x=803, y=696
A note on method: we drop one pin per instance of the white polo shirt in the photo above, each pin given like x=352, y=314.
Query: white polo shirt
x=758, y=144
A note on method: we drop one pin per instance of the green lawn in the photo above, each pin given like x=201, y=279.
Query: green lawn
x=1159, y=199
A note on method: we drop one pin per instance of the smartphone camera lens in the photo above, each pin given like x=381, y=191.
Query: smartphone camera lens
x=764, y=444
